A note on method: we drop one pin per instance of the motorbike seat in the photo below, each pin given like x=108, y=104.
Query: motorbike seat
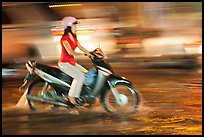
x=54, y=71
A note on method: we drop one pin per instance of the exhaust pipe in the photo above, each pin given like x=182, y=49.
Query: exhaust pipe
x=34, y=98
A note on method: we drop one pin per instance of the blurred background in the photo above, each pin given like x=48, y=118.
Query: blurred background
x=143, y=34
x=155, y=45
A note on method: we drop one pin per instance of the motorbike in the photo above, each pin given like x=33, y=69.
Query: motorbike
x=50, y=86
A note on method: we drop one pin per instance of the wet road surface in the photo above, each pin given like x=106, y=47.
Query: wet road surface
x=171, y=104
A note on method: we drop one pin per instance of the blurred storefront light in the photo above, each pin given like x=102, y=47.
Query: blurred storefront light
x=193, y=47
x=128, y=40
x=64, y=5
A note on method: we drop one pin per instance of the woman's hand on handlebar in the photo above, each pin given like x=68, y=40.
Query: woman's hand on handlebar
x=88, y=54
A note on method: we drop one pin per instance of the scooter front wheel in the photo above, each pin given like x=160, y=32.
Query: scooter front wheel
x=128, y=99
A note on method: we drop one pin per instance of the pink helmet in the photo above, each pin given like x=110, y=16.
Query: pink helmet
x=69, y=21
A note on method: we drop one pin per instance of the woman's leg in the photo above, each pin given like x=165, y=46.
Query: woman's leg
x=78, y=80
x=81, y=68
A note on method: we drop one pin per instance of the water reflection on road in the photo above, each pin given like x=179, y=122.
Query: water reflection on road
x=171, y=104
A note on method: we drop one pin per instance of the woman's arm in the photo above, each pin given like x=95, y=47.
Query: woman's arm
x=83, y=49
x=68, y=48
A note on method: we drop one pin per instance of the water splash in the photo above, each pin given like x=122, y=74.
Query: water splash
x=23, y=103
x=143, y=108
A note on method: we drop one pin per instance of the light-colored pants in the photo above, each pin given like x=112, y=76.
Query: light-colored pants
x=77, y=74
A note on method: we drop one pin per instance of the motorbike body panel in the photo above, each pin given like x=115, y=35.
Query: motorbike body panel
x=55, y=72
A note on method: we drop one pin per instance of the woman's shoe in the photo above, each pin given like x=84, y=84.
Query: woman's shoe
x=74, y=112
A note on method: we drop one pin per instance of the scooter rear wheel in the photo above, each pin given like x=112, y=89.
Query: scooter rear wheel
x=34, y=91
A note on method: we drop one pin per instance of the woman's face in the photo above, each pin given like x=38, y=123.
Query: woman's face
x=73, y=28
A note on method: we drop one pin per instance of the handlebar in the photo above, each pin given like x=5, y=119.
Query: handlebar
x=89, y=55
x=96, y=54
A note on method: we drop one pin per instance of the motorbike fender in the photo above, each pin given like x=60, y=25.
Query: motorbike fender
x=113, y=79
x=34, y=82
x=28, y=78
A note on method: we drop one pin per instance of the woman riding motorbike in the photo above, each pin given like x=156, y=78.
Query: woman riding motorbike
x=67, y=62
